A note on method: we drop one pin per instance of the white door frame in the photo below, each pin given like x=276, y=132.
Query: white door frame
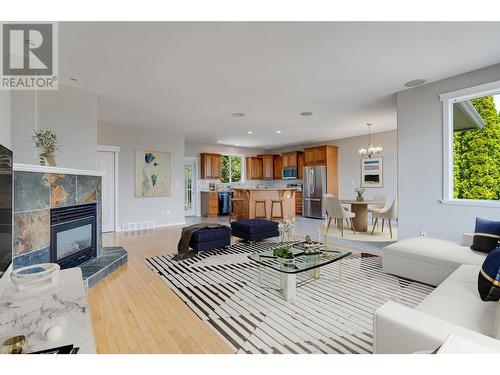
x=116, y=151
x=196, y=164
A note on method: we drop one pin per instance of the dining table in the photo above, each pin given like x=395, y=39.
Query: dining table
x=360, y=208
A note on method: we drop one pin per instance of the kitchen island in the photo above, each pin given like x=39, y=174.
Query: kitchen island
x=247, y=209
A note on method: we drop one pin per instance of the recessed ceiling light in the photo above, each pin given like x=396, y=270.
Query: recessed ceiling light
x=219, y=141
x=307, y=113
x=278, y=131
x=73, y=79
x=238, y=114
x=415, y=82
x=250, y=132
x=237, y=144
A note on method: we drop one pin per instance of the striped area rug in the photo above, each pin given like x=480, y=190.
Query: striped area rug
x=331, y=315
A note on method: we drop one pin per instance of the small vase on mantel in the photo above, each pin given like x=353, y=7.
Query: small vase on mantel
x=360, y=198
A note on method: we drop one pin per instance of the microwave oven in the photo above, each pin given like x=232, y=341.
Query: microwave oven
x=289, y=173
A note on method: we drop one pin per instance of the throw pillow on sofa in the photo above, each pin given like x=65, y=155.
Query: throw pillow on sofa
x=488, y=283
x=486, y=235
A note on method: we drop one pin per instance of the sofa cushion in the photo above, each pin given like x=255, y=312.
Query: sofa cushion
x=435, y=251
x=456, y=300
x=488, y=281
x=486, y=235
x=253, y=226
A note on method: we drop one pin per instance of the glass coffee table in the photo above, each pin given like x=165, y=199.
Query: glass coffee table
x=308, y=260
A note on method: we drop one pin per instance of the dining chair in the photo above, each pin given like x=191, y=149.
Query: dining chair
x=377, y=207
x=334, y=210
x=388, y=213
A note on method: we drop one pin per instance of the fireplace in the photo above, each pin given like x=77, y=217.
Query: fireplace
x=73, y=235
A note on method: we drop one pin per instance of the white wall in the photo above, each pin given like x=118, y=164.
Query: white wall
x=5, y=126
x=162, y=210
x=420, y=127
x=194, y=149
x=69, y=111
x=350, y=163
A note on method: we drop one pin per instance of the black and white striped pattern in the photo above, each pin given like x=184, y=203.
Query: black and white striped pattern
x=330, y=316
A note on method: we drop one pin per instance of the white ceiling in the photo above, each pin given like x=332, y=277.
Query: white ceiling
x=190, y=77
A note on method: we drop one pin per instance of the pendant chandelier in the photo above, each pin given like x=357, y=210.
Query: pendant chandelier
x=370, y=150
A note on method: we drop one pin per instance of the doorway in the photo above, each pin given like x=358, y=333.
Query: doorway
x=107, y=162
x=190, y=187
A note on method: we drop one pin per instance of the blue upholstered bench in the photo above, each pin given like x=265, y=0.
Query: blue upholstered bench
x=210, y=238
x=254, y=229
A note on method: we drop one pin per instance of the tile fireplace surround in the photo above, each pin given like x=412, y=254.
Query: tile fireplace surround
x=37, y=190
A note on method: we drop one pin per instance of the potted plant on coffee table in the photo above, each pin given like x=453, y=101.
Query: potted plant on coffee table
x=285, y=256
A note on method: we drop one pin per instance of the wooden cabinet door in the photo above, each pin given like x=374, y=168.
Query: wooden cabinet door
x=300, y=166
x=278, y=165
x=267, y=167
x=206, y=166
x=321, y=155
x=215, y=167
x=310, y=156
x=258, y=168
x=293, y=159
x=285, y=160
x=254, y=168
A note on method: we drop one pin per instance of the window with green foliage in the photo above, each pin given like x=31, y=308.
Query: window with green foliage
x=230, y=168
x=476, y=148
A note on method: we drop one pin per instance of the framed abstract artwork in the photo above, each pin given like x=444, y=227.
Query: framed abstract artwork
x=152, y=174
x=372, y=175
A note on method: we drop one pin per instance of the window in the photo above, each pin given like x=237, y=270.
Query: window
x=231, y=168
x=472, y=145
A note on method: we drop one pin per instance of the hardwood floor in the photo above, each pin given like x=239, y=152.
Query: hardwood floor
x=133, y=310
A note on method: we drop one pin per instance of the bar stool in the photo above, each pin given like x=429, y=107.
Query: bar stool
x=279, y=202
x=257, y=202
x=236, y=208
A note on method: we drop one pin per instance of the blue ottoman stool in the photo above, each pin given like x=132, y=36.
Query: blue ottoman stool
x=255, y=229
x=210, y=238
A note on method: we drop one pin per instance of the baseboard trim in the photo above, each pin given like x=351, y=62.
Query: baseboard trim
x=183, y=223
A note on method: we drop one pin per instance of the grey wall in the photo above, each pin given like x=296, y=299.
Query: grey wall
x=420, y=161
x=69, y=111
x=162, y=210
x=350, y=162
x=5, y=126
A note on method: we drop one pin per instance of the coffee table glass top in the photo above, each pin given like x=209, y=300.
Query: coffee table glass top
x=302, y=260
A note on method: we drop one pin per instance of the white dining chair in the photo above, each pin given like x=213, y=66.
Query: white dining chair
x=388, y=213
x=334, y=210
x=377, y=207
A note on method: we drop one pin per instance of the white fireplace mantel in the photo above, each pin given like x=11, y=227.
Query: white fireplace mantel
x=58, y=170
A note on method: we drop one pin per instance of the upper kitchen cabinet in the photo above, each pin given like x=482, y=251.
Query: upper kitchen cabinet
x=300, y=165
x=321, y=155
x=267, y=166
x=254, y=168
x=278, y=165
x=210, y=166
x=290, y=159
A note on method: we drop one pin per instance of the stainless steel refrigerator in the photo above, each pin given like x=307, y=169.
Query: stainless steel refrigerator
x=313, y=189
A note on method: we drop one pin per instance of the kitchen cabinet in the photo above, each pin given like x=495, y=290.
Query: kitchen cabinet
x=209, y=204
x=298, y=203
x=278, y=165
x=289, y=159
x=267, y=166
x=210, y=166
x=254, y=168
x=320, y=155
x=300, y=165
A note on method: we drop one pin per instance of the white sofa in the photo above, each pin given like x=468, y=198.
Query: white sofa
x=428, y=260
x=453, y=308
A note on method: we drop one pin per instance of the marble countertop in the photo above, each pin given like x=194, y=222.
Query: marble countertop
x=266, y=189
x=25, y=313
